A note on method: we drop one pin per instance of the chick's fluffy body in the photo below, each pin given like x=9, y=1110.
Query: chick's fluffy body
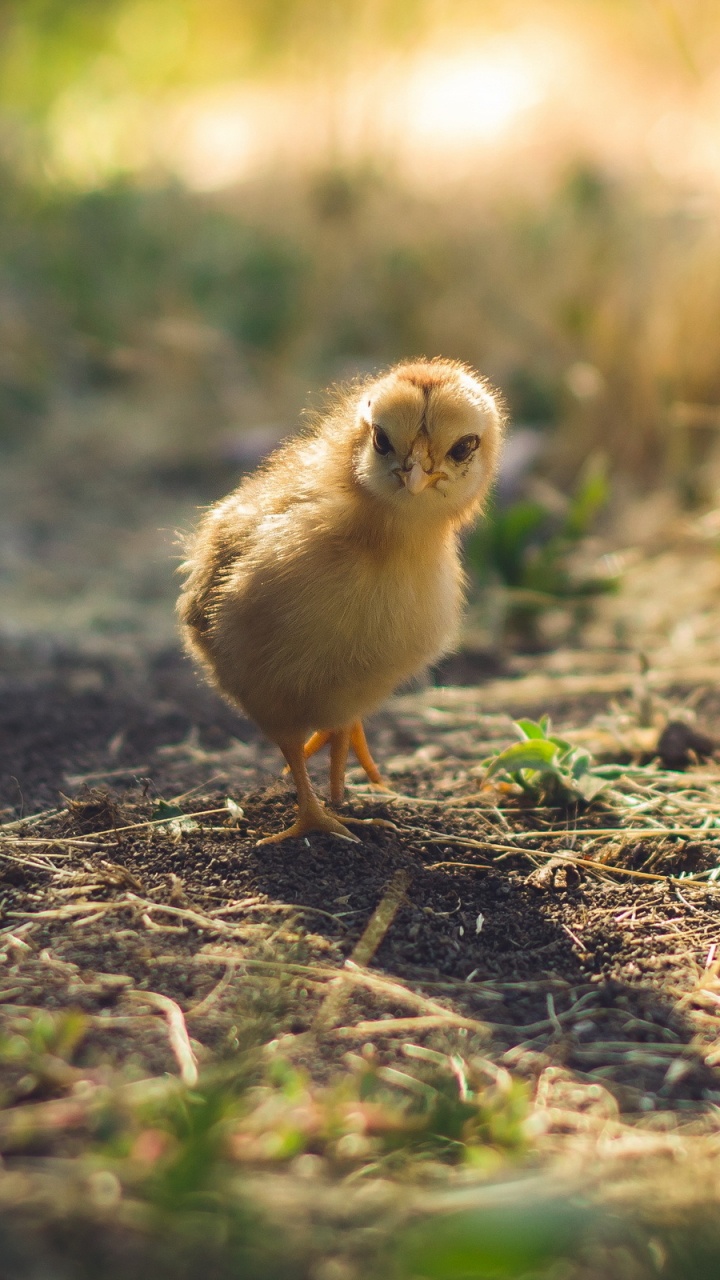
x=322, y=583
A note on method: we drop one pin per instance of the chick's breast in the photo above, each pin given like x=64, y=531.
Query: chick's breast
x=307, y=623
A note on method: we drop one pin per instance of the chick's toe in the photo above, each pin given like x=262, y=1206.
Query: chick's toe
x=312, y=817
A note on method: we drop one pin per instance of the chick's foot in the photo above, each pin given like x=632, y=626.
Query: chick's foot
x=312, y=817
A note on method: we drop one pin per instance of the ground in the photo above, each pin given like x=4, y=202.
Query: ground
x=472, y=922
x=562, y=963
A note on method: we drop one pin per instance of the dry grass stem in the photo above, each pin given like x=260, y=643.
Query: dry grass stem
x=381, y=919
x=214, y=995
x=570, y=858
x=177, y=1033
x=636, y=832
x=405, y=1026
x=155, y=822
x=368, y=943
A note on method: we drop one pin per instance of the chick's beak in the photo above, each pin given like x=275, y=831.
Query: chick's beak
x=415, y=478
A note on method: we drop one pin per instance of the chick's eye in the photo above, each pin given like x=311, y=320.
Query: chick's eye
x=381, y=444
x=463, y=447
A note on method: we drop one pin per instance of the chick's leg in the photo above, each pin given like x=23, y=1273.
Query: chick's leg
x=339, y=746
x=358, y=742
x=316, y=742
x=312, y=814
x=340, y=741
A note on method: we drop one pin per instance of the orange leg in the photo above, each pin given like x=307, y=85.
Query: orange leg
x=312, y=814
x=339, y=745
x=358, y=742
x=340, y=740
x=316, y=742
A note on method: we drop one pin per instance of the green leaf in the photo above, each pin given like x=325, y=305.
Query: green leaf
x=170, y=817
x=534, y=728
x=577, y=761
x=536, y=753
x=590, y=785
x=549, y=765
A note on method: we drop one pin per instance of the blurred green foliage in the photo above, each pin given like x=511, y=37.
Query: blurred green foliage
x=338, y=266
x=177, y=1164
x=506, y=1241
x=528, y=550
x=46, y=45
x=260, y=1171
x=291, y=282
x=152, y=45
x=248, y=283
x=35, y=1054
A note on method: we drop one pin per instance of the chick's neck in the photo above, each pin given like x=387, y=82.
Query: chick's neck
x=374, y=526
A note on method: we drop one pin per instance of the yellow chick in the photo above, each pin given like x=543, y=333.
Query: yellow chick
x=332, y=574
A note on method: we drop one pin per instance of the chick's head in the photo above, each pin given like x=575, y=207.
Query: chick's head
x=429, y=434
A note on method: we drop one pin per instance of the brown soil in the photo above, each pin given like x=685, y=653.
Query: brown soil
x=544, y=962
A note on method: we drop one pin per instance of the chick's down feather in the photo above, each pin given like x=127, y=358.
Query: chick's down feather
x=332, y=574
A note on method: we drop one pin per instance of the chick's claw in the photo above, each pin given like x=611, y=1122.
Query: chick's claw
x=374, y=822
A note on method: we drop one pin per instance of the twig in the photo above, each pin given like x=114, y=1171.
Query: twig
x=66, y=912
x=154, y=822
x=95, y=915
x=691, y=906
x=78, y=779
x=214, y=995
x=401, y=1026
x=380, y=986
x=184, y=913
x=394, y=990
x=161, y=928
x=574, y=937
x=464, y=842
x=254, y=905
x=552, y=1015
x=31, y=821
x=576, y=862
x=177, y=1033
x=27, y=862
x=239, y=905
x=80, y=842
x=474, y=866
x=381, y=919
x=9, y=992
x=11, y=933
x=635, y=832
x=366, y=946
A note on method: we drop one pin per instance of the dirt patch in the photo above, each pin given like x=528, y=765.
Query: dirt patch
x=550, y=962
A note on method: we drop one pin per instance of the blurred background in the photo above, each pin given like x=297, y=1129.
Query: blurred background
x=210, y=209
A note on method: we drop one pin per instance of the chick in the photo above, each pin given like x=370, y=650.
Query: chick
x=332, y=574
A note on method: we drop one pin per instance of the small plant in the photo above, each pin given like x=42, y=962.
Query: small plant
x=446, y=1109
x=528, y=550
x=171, y=818
x=36, y=1053
x=547, y=766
